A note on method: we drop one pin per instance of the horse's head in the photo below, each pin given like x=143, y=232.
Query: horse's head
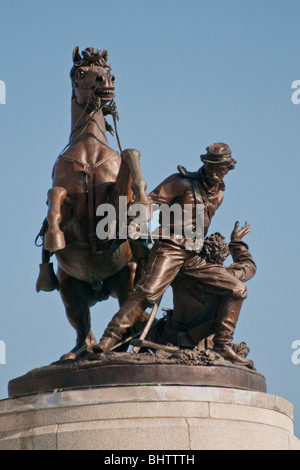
x=92, y=81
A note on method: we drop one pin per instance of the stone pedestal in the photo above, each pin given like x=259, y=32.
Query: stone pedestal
x=153, y=417
x=182, y=401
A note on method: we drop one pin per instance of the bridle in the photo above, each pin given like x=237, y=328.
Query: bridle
x=89, y=169
x=111, y=109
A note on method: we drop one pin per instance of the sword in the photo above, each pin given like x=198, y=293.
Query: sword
x=155, y=308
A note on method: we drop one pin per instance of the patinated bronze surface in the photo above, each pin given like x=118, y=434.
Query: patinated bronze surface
x=87, y=174
x=197, y=332
x=189, y=327
x=170, y=258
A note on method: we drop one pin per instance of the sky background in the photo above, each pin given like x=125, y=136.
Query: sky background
x=187, y=74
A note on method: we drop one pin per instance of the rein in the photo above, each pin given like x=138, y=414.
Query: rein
x=82, y=131
x=90, y=169
x=114, y=114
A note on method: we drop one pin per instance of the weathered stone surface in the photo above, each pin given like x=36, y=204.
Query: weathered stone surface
x=148, y=417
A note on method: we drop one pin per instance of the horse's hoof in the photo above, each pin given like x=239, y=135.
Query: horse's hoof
x=68, y=356
x=54, y=241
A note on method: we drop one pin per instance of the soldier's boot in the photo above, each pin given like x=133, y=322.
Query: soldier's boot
x=130, y=312
x=226, y=320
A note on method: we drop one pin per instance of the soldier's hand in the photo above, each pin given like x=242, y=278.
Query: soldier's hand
x=237, y=234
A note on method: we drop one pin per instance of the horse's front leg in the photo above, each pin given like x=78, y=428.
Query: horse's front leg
x=132, y=158
x=54, y=238
x=130, y=180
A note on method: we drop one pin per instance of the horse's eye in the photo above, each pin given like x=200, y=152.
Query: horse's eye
x=80, y=73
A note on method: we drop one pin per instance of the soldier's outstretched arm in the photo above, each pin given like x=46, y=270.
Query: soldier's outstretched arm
x=243, y=266
x=237, y=234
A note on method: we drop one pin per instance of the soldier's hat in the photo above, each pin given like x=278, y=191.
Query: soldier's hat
x=218, y=153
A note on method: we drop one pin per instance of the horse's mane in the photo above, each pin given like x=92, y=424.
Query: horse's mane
x=90, y=58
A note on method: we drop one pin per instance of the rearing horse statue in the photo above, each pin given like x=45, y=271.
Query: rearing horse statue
x=86, y=174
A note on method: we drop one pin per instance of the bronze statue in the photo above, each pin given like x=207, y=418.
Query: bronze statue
x=194, y=315
x=86, y=174
x=170, y=257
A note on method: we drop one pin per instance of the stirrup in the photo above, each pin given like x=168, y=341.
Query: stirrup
x=47, y=280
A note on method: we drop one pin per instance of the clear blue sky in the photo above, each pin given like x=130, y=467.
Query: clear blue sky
x=187, y=74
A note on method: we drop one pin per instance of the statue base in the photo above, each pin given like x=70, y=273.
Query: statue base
x=188, y=400
x=185, y=367
x=148, y=417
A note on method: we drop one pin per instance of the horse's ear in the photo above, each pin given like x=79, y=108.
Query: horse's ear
x=105, y=54
x=76, y=55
